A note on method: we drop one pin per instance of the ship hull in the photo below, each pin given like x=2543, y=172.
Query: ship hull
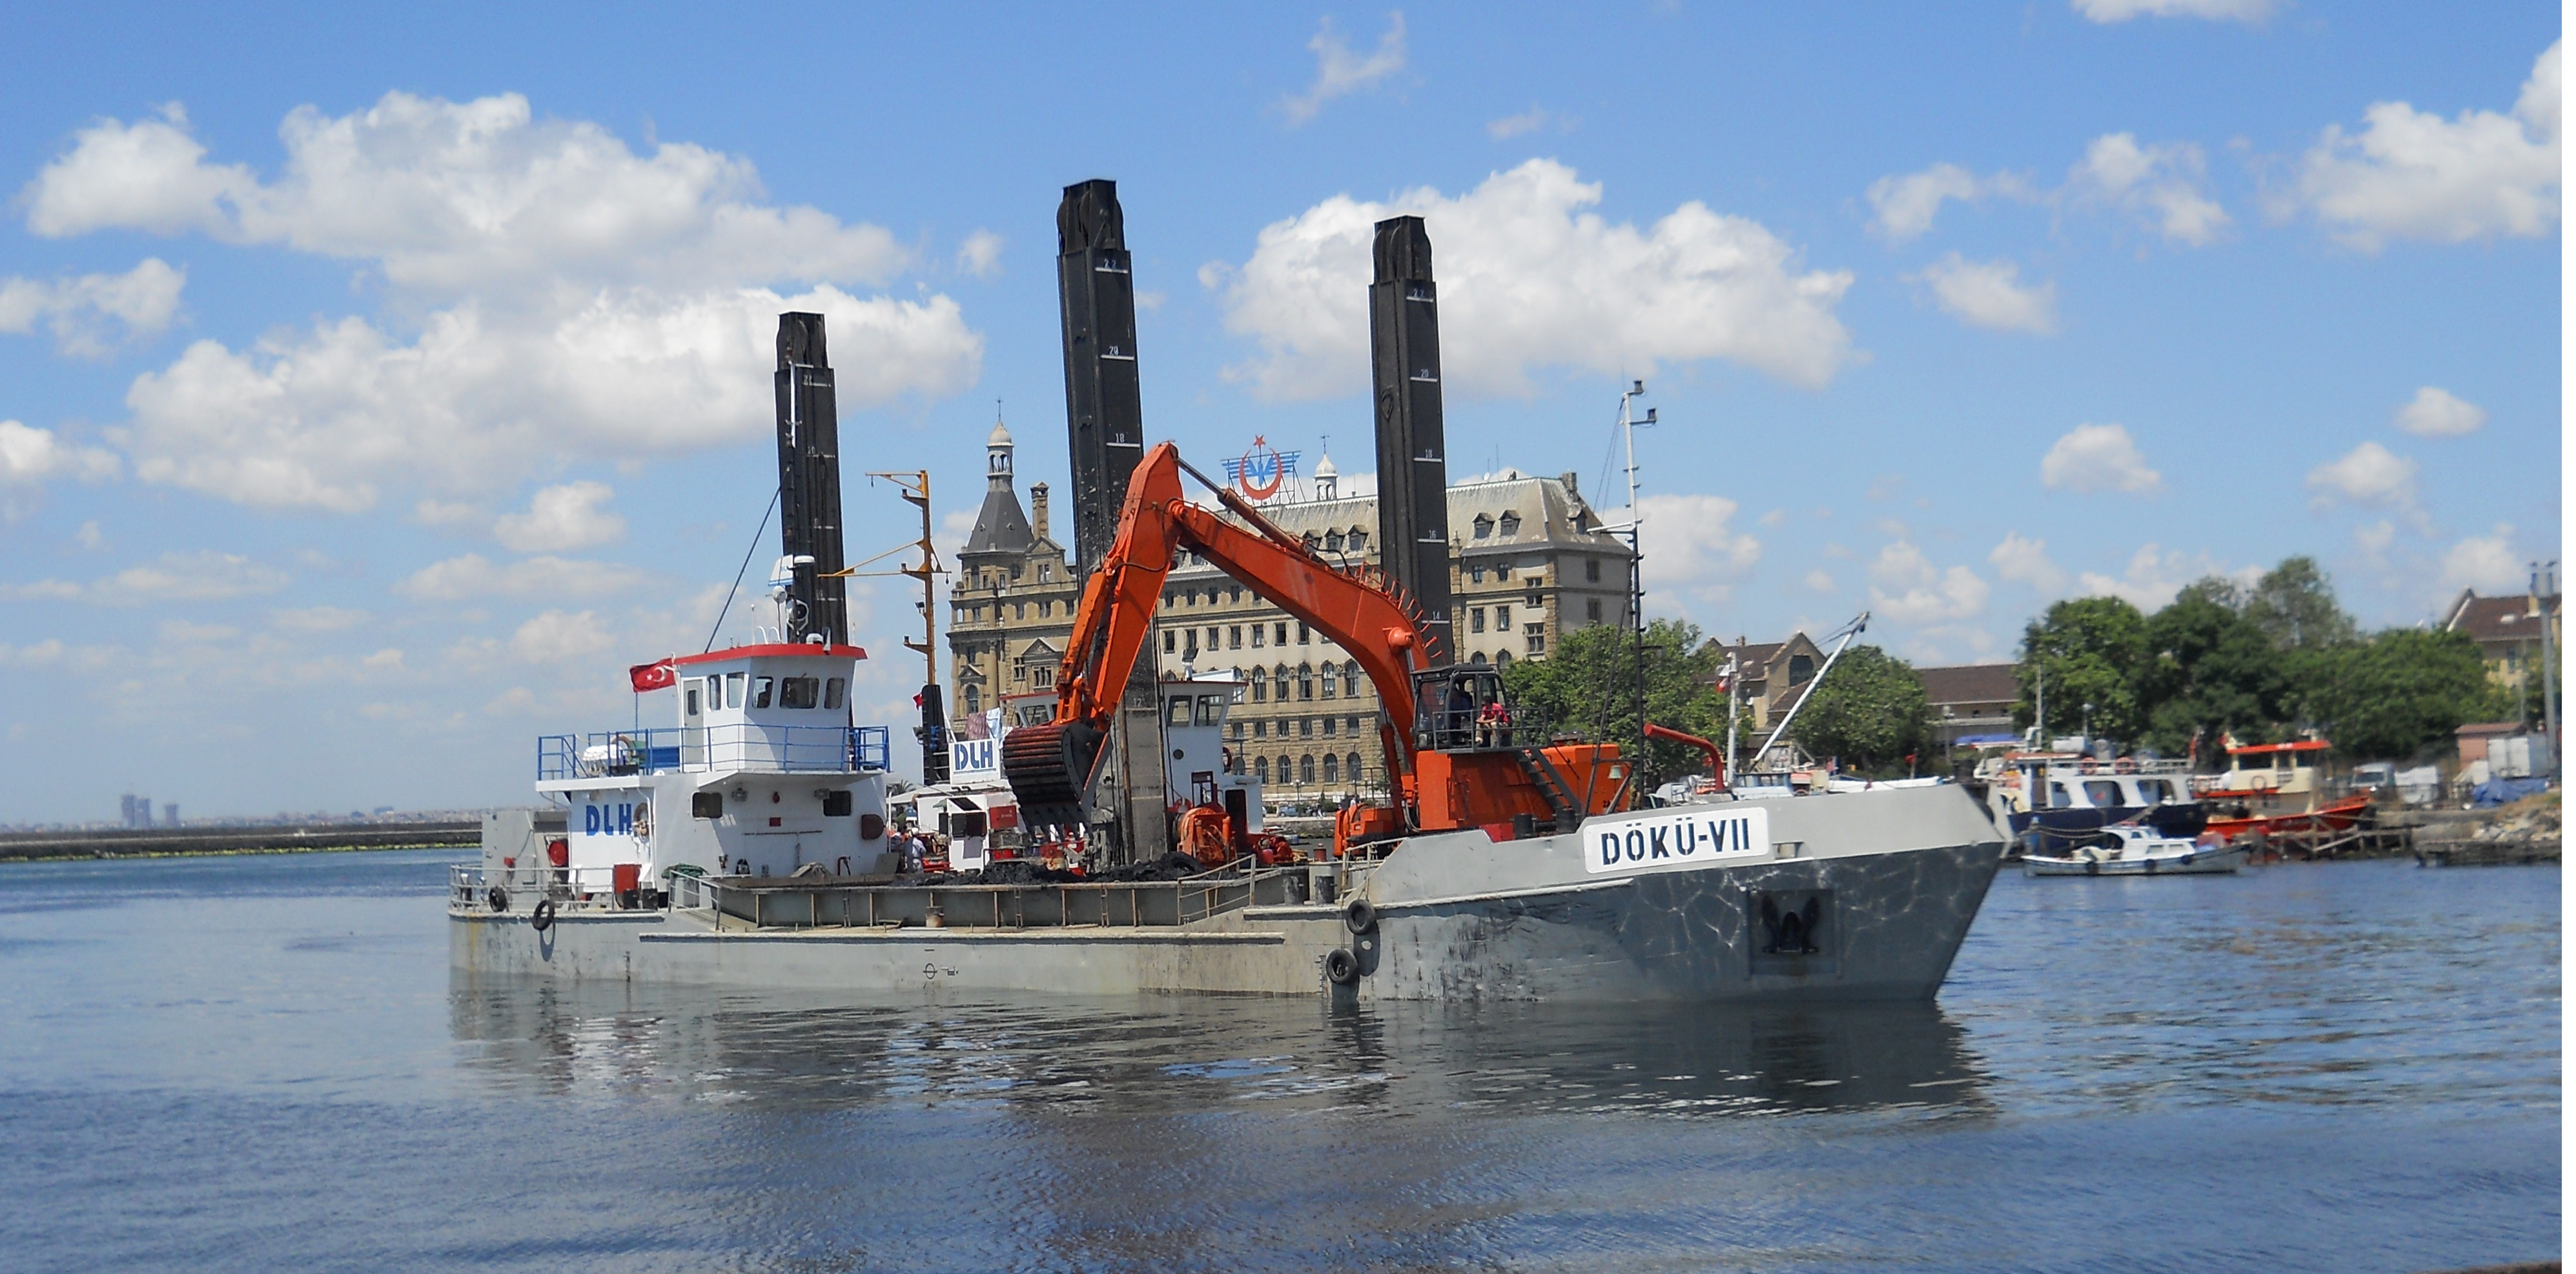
x=1862, y=897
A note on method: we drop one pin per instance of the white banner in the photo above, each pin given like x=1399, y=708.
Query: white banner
x=1700, y=836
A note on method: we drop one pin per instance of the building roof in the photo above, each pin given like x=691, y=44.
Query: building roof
x=1000, y=526
x=2507, y=618
x=1969, y=683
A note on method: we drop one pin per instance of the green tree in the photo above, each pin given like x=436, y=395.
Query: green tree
x=1589, y=687
x=2395, y=694
x=2090, y=650
x=2211, y=671
x=2294, y=604
x=1869, y=712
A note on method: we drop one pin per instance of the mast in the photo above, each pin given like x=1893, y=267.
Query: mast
x=933, y=730
x=1628, y=424
x=1412, y=440
x=1105, y=423
x=809, y=483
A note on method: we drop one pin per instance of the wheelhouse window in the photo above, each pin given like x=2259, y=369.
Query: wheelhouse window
x=836, y=689
x=799, y=692
x=1177, y=712
x=733, y=688
x=693, y=699
x=762, y=691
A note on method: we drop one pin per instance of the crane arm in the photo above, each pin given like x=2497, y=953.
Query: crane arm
x=1050, y=767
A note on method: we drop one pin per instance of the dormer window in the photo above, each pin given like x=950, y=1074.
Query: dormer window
x=1484, y=527
x=1333, y=542
x=1511, y=524
x=1359, y=540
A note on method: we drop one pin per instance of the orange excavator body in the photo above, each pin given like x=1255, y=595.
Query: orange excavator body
x=1050, y=767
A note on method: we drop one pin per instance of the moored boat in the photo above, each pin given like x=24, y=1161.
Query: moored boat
x=2129, y=849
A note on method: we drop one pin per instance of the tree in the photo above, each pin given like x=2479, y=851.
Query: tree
x=1589, y=687
x=1869, y=712
x=2294, y=604
x=2395, y=694
x=2091, y=650
x=2211, y=672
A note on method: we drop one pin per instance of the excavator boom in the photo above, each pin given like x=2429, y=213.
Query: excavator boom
x=1051, y=767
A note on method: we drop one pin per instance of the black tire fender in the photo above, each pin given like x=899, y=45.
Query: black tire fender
x=1359, y=915
x=1341, y=966
x=497, y=898
x=543, y=918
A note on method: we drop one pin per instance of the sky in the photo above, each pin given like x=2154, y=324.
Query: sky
x=376, y=384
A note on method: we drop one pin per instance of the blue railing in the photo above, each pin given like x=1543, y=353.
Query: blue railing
x=772, y=748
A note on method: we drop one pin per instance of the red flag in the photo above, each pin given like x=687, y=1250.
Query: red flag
x=653, y=676
x=916, y=701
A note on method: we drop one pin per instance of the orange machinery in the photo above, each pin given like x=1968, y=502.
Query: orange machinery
x=1448, y=772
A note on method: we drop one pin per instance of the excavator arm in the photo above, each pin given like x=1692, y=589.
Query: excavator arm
x=1051, y=767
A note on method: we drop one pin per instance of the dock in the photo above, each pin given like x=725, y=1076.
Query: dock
x=307, y=837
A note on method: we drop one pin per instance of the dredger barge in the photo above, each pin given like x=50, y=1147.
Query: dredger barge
x=749, y=842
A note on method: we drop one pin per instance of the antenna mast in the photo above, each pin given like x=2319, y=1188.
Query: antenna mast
x=1628, y=424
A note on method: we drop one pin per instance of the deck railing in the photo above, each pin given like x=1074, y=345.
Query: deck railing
x=778, y=748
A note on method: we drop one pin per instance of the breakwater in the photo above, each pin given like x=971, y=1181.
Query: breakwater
x=150, y=842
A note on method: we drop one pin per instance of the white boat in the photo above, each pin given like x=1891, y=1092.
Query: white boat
x=2128, y=849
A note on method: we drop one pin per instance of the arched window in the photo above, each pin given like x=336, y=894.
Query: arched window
x=1351, y=680
x=1279, y=683
x=1305, y=681
x=1332, y=768
x=1261, y=768
x=1328, y=681
x=1479, y=660
x=1353, y=769
x=1306, y=768
x=974, y=697
x=1502, y=659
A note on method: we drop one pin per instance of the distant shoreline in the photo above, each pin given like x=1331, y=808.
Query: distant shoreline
x=137, y=843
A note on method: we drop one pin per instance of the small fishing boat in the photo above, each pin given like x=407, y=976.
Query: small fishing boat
x=2129, y=849
x=2273, y=789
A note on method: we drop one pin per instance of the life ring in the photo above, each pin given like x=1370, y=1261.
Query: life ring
x=498, y=898
x=543, y=918
x=1342, y=967
x=1359, y=915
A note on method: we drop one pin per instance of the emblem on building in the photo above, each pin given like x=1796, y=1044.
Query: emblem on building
x=1261, y=471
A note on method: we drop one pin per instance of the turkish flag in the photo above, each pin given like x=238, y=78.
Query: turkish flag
x=653, y=676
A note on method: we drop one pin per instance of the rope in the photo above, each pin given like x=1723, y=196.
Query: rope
x=756, y=533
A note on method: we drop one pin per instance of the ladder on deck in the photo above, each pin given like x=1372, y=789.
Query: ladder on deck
x=1542, y=773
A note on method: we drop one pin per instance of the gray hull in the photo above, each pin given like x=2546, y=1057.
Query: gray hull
x=1862, y=896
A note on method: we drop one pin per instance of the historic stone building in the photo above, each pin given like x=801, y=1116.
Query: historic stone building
x=1530, y=563
x=1012, y=604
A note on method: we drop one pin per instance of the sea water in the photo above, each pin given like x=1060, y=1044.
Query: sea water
x=262, y=1062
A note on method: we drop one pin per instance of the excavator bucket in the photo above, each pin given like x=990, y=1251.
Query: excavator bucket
x=1049, y=769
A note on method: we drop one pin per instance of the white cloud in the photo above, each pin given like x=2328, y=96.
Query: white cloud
x=1530, y=278
x=556, y=636
x=2166, y=185
x=457, y=196
x=1907, y=204
x=2486, y=563
x=1990, y=294
x=1339, y=72
x=981, y=254
x=200, y=576
x=141, y=302
x=1907, y=588
x=30, y=455
x=1690, y=547
x=561, y=296
x=2369, y=474
x=562, y=518
x=472, y=575
x=1818, y=581
x=317, y=619
x=319, y=420
x=2411, y=174
x=52, y=653
x=2107, y=11
x=1529, y=121
x=2154, y=577
x=2374, y=539
x=2435, y=413
x=2097, y=458
x=2025, y=561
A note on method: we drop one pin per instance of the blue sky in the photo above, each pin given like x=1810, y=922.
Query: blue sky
x=375, y=385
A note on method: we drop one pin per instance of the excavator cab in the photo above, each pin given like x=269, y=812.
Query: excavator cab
x=1462, y=709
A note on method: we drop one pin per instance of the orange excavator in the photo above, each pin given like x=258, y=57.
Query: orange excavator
x=1452, y=757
